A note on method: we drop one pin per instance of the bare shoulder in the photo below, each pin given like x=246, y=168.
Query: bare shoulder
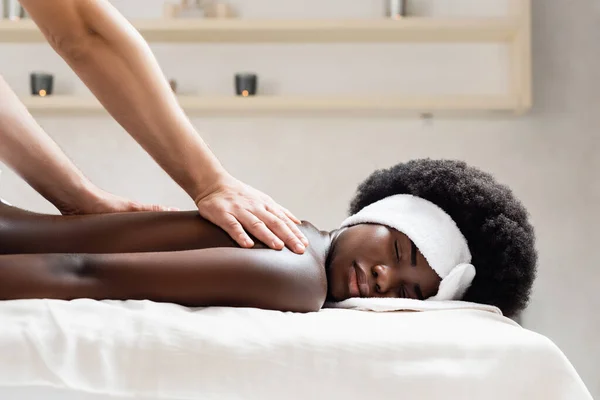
x=306, y=276
x=319, y=242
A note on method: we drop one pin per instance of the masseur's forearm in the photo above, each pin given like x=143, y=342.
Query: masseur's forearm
x=31, y=153
x=114, y=61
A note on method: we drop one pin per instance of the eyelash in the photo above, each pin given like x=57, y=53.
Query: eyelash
x=402, y=293
x=397, y=252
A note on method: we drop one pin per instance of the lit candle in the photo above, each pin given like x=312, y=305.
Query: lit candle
x=245, y=84
x=12, y=9
x=397, y=8
x=41, y=84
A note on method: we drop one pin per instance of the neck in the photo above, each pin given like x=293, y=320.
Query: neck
x=333, y=237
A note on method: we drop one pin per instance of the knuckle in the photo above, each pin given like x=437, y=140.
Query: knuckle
x=279, y=224
x=290, y=238
x=220, y=206
x=279, y=214
x=234, y=205
x=232, y=223
x=257, y=223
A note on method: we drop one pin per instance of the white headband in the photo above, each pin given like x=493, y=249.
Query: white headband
x=433, y=232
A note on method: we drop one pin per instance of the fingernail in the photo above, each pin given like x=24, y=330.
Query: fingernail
x=277, y=244
x=305, y=241
x=248, y=243
x=299, y=248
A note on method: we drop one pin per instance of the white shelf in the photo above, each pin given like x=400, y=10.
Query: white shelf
x=274, y=105
x=513, y=30
x=302, y=31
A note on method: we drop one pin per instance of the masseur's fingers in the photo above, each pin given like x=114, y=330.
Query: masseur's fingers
x=291, y=217
x=241, y=210
x=133, y=207
x=115, y=204
x=97, y=201
x=290, y=221
x=258, y=228
x=234, y=228
x=272, y=230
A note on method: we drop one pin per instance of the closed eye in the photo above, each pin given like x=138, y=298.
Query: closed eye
x=413, y=254
x=397, y=252
x=404, y=292
x=418, y=292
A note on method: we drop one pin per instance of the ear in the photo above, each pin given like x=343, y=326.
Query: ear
x=454, y=286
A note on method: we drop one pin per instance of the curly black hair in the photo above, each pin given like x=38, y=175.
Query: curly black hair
x=492, y=219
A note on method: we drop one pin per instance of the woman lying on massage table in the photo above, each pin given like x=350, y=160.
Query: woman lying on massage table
x=424, y=229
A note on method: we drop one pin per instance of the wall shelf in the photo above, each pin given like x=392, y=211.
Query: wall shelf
x=283, y=105
x=302, y=31
x=514, y=31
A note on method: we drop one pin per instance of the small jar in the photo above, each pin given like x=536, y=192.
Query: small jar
x=245, y=84
x=41, y=84
x=397, y=9
x=218, y=9
x=171, y=9
x=192, y=9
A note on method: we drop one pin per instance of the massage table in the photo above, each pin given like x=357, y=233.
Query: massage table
x=357, y=349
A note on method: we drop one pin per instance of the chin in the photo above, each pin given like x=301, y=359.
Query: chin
x=332, y=294
x=335, y=298
x=335, y=291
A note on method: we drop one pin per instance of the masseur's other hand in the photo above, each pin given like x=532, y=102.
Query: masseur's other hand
x=237, y=208
x=97, y=201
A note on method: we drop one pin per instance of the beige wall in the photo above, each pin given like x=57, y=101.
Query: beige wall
x=549, y=157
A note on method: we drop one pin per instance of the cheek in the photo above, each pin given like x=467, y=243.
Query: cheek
x=339, y=266
x=432, y=281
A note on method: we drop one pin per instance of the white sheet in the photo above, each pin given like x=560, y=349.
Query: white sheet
x=89, y=350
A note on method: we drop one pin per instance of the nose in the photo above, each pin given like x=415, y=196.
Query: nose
x=383, y=278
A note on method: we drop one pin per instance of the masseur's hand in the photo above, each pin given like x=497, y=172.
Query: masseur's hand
x=235, y=206
x=115, y=62
x=98, y=201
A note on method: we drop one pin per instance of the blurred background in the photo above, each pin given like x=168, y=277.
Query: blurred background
x=311, y=164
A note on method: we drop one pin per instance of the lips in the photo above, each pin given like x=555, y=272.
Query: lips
x=358, y=286
x=363, y=285
x=353, y=288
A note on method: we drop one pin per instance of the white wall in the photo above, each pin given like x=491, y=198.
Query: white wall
x=550, y=157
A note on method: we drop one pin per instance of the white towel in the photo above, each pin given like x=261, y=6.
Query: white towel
x=90, y=350
x=433, y=231
x=391, y=304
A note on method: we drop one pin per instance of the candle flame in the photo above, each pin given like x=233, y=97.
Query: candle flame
x=245, y=93
x=42, y=92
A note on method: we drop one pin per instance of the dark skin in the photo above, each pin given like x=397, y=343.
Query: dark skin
x=181, y=258
x=371, y=260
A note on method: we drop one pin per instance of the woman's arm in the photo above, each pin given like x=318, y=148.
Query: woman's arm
x=116, y=63
x=236, y=277
x=23, y=232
